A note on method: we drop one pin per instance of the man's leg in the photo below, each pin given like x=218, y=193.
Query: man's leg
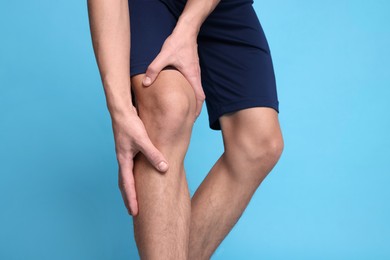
x=167, y=108
x=253, y=144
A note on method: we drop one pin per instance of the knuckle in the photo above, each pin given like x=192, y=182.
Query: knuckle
x=201, y=97
x=151, y=70
x=123, y=155
x=120, y=155
x=197, y=69
x=133, y=196
x=120, y=151
x=154, y=156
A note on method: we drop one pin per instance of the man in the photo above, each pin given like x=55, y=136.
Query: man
x=166, y=82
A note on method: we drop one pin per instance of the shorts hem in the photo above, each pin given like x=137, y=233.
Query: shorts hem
x=240, y=105
x=142, y=67
x=138, y=69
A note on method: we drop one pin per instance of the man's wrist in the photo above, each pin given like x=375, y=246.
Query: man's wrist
x=118, y=97
x=194, y=14
x=187, y=26
x=120, y=107
x=117, y=112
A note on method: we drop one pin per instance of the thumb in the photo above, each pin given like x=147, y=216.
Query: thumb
x=154, y=69
x=153, y=155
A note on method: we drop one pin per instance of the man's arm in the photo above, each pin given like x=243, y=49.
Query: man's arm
x=180, y=49
x=110, y=32
x=194, y=14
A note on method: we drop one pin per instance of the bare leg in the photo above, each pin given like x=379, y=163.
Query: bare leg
x=167, y=109
x=253, y=144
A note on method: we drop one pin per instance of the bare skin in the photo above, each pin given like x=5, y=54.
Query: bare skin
x=253, y=144
x=167, y=109
x=167, y=223
x=110, y=32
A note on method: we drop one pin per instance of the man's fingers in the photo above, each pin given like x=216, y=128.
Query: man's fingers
x=196, y=83
x=199, y=104
x=200, y=97
x=153, y=155
x=127, y=186
x=154, y=69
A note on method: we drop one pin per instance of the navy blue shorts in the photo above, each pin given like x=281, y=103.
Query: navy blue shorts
x=234, y=56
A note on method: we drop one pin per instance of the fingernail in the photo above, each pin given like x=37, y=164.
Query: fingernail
x=147, y=81
x=162, y=166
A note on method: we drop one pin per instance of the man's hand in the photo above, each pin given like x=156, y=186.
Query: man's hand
x=181, y=51
x=130, y=138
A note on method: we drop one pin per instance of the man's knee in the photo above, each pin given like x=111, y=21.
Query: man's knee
x=257, y=151
x=169, y=113
x=252, y=147
x=167, y=108
x=263, y=149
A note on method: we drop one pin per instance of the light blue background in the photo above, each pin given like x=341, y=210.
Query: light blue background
x=328, y=197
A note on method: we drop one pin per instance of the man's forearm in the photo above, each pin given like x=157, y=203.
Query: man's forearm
x=194, y=14
x=110, y=31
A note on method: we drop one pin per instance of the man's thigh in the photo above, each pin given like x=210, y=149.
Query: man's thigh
x=236, y=63
x=257, y=125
